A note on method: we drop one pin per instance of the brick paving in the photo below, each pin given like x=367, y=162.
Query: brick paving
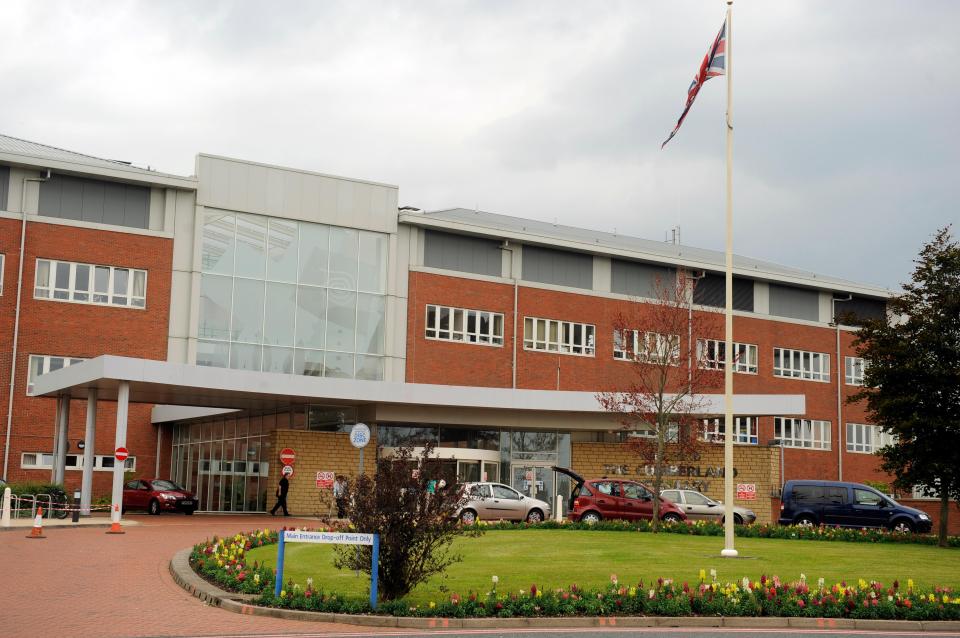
x=83, y=582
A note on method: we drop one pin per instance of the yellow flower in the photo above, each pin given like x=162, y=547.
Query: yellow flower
x=946, y=598
x=432, y=604
x=930, y=597
x=703, y=575
x=633, y=591
x=539, y=593
x=909, y=583
x=283, y=593
x=862, y=583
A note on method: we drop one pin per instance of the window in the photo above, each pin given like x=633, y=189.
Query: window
x=504, y=492
x=854, y=367
x=866, y=497
x=636, y=491
x=44, y=461
x=799, y=364
x=607, y=488
x=696, y=498
x=744, y=430
x=867, y=439
x=480, y=491
x=802, y=433
x=292, y=297
x=86, y=283
x=711, y=353
x=461, y=324
x=671, y=495
x=651, y=348
x=558, y=336
x=42, y=364
x=671, y=435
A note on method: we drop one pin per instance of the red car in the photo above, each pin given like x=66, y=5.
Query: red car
x=158, y=495
x=596, y=499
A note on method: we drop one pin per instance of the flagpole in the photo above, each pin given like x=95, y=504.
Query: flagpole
x=728, y=549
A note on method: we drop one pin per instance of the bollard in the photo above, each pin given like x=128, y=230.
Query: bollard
x=76, y=507
x=558, y=512
x=5, y=516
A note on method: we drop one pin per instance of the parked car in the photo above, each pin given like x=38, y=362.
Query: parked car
x=699, y=506
x=495, y=501
x=158, y=495
x=596, y=499
x=810, y=503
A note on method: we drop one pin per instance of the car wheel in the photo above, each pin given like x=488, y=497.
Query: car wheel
x=671, y=518
x=737, y=519
x=805, y=521
x=535, y=516
x=468, y=517
x=154, y=507
x=902, y=526
x=590, y=518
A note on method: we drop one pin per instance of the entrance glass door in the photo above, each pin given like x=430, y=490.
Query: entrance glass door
x=535, y=481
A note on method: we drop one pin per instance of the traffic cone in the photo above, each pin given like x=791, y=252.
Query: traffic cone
x=37, y=531
x=115, y=525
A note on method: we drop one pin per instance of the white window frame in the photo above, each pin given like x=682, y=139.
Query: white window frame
x=854, y=368
x=863, y=438
x=801, y=364
x=458, y=323
x=813, y=434
x=45, y=462
x=745, y=430
x=653, y=349
x=924, y=493
x=46, y=360
x=554, y=335
x=710, y=355
x=49, y=291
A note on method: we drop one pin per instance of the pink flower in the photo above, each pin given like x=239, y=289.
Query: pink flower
x=800, y=604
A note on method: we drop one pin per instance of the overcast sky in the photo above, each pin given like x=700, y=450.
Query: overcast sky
x=846, y=113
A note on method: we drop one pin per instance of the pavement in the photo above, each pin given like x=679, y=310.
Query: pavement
x=89, y=583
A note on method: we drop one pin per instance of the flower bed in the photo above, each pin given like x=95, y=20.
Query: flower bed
x=223, y=562
x=766, y=530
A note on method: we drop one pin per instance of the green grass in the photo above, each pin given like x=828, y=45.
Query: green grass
x=558, y=558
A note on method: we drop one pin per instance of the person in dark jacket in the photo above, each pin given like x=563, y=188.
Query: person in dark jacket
x=282, y=489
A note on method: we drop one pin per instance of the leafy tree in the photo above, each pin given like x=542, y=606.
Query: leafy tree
x=912, y=382
x=661, y=394
x=412, y=503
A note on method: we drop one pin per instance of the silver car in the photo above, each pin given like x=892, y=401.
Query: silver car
x=495, y=501
x=698, y=506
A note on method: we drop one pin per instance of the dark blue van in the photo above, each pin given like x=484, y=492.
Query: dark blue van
x=810, y=503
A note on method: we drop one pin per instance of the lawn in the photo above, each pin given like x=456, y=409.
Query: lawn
x=558, y=558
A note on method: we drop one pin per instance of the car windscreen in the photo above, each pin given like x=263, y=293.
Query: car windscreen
x=166, y=485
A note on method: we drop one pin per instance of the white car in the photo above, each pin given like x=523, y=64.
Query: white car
x=495, y=501
x=699, y=506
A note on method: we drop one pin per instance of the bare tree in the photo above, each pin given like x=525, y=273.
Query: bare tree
x=660, y=399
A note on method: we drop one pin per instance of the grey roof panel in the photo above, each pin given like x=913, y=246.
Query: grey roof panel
x=602, y=242
x=17, y=146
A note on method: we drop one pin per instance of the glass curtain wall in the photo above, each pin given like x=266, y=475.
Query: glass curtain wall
x=278, y=295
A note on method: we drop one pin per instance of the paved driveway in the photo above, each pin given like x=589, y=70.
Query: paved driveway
x=83, y=582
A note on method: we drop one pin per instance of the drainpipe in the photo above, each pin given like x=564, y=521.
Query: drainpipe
x=16, y=316
x=840, y=425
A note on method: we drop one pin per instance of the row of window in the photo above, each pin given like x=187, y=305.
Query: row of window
x=101, y=462
x=486, y=328
x=90, y=284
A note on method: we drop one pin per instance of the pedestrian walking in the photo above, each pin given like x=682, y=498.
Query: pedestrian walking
x=339, y=494
x=282, y=488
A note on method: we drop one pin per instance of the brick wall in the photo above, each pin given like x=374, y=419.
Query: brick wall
x=79, y=330
x=753, y=464
x=441, y=362
x=316, y=452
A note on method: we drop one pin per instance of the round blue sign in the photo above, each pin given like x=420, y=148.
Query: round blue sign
x=360, y=435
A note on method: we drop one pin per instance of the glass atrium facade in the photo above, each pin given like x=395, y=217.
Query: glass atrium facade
x=278, y=295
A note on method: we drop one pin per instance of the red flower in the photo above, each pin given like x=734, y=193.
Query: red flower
x=800, y=604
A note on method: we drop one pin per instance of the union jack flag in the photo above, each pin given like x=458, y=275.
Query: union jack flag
x=714, y=64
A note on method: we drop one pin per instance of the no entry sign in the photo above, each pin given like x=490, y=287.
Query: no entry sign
x=287, y=456
x=121, y=454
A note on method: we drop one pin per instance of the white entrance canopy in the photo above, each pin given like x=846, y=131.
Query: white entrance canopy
x=173, y=386
x=176, y=384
